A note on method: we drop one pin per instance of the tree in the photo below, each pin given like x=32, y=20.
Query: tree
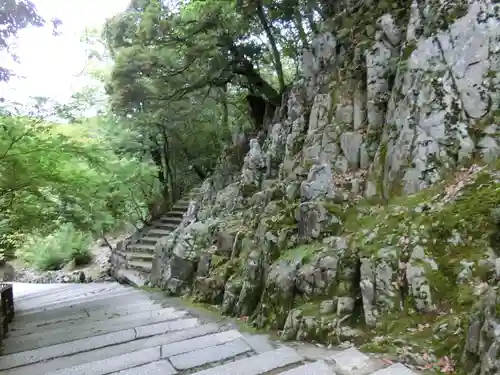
x=186, y=77
x=16, y=15
x=65, y=182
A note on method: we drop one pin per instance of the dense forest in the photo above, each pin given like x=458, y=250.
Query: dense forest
x=187, y=80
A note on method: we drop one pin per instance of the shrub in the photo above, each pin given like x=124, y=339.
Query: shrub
x=52, y=252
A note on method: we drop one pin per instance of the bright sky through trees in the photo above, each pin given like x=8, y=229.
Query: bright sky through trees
x=49, y=65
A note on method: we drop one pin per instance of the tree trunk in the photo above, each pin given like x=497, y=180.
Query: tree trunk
x=225, y=110
x=256, y=84
x=276, y=54
x=300, y=28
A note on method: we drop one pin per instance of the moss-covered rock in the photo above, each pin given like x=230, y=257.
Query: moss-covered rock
x=371, y=230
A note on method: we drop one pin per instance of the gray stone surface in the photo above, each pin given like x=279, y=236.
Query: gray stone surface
x=211, y=354
x=95, y=305
x=102, y=303
x=164, y=327
x=349, y=360
x=162, y=367
x=76, y=294
x=62, y=290
x=180, y=347
x=259, y=343
x=80, y=331
x=314, y=368
x=113, y=364
x=125, y=333
x=113, y=350
x=82, y=317
x=396, y=369
x=259, y=364
x=85, y=301
x=76, y=346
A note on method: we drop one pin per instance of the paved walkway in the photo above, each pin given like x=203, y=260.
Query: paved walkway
x=108, y=328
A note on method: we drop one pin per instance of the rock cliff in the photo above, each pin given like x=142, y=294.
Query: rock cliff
x=368, y=214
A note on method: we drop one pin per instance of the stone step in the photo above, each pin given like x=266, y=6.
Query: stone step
x=107, y=352
x=65, y=302
x=203, y=357
x=143, y=248
x=140, y=255
x=62, y=295
x=180, y=356
x=63, y=311
x=352, y=362
x=171, y=220
x=88, y=329
x=41, y=290
x=182, y=204
x=159, y=232
x=146, y=240
x=130, y=334
x=140, y=265
x=174, y=214
x=314, y=368
x=257, y=365
x=84, y=316
x=166, y=226
x=90, y=343
x=395, y=369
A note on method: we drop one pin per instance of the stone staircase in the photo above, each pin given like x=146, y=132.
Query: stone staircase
x=133, y=259
x=112, y=329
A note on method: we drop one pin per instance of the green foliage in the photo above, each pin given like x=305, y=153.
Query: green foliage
x=51, y=252
x=55, y=175
x=181, y=75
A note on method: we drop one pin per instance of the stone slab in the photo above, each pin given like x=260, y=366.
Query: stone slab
x=73, y=347
x=74, y=290
x=164, y=327
x=81, y=317
x=396, y=369
x=256, y=365
x=314, y=368
x=113, y=364
x=132, y=277
x=54, y=351
x=162, y=367
x=98, y=354
x=259, y=343
x=350, y=360
x=67, y=302
x=68, y=310
x=26, y=291
x=59, y=295
x=200, y=357
x=199, y=343
x=88, y=329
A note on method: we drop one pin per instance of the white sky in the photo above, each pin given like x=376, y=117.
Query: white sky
x=50, y=64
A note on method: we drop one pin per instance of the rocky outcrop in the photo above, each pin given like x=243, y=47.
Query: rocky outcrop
x=364, y=217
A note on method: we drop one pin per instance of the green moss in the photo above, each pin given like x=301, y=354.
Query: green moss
x=213, y=313
x=247, y=190
x=310, y=308
x=303, y=253
x=226, y=268
x=150, y=289
x=450, y=233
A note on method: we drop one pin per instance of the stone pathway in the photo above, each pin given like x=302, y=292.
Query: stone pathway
x=136, y=258
x=109, y=328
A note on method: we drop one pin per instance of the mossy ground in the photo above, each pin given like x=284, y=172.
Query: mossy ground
x=213, y=313
x=451, y=232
